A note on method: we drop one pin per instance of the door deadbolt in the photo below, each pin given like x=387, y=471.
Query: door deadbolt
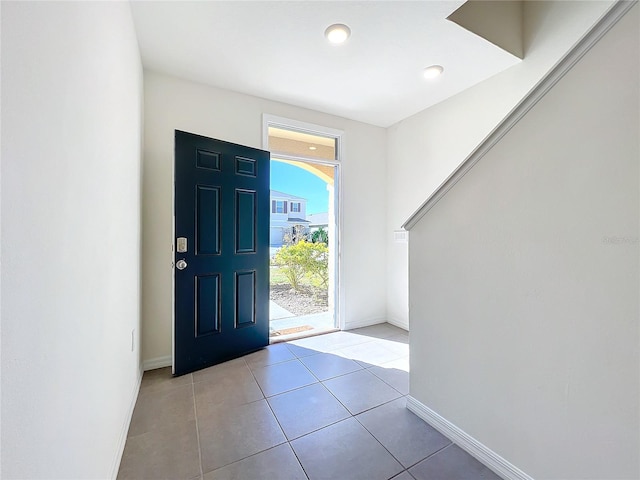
x=181, y=244
x=181, y=264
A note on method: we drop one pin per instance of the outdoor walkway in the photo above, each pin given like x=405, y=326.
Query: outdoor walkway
x=291, y=326
x=277, y=312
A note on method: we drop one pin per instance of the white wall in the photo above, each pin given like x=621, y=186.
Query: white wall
x=171, y=104
x=525, y=280
x=425, y=149
x=71, y=150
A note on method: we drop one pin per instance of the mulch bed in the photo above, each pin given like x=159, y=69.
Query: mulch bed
x=308, y=300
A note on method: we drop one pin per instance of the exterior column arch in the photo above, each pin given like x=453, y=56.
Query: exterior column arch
x=324, y=172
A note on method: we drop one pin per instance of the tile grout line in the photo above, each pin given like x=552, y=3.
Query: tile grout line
x=280, y=393
x=195, y=412
x=320, y=428
x=355, y=416
x=383, y=403
x=351, y=415
x=362, y=368
x=267, y=402
x=308, y=369
x=431, y=455
x=337, y=399
x=405, y=469
x=321, y=382
x=384, y=381
x=299, y=462
x=249, y=403
x=287, y=441
x=335, y=376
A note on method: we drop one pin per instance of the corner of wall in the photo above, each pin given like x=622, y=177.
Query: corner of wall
x=125, y=426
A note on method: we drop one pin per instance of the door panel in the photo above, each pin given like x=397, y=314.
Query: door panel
x=222, y=209
x=207, y=304
x=245, y=221
x=245, y=298
x=208, y=220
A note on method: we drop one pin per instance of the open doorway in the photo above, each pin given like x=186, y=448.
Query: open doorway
x=304, y=231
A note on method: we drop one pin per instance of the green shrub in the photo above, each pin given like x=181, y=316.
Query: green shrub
x=296, y=261
x=320, y=236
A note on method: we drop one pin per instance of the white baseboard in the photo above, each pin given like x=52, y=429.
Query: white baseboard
x=465, y=441
x=125, y=427
x=398, y=323
x=364, y=323
x=158, y=362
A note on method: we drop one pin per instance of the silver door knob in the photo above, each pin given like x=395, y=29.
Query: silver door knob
x=181, y=264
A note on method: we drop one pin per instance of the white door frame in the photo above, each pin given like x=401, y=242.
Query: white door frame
x=310, y=128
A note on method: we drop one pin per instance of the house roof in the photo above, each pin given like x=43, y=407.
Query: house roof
x=297, y=220
x=288, y=196
x=318, y=218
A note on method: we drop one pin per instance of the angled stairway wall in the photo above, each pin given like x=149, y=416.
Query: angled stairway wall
x=524, y=280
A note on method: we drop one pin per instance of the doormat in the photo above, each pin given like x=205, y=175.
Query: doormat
x=287, y=331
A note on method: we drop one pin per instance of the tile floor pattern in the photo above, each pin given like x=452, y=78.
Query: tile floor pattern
x=325, y=407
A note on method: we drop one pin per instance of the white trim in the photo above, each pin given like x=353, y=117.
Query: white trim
x=313, y=129
x=158, y=362
x=291, y=124
x=296, y=158
x=465, y=441
x=364, y=323
x=340, y=313
x=617, y=11
x=398, y=323
x=125, y=427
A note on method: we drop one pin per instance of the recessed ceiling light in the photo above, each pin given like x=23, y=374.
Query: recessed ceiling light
x=337, y=33
x=312, y=148
x=433, y=71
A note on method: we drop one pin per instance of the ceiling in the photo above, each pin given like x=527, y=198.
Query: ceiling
x=277, y=50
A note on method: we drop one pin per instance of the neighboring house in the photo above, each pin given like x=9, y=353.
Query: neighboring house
x=287, y=211
x=318, y=221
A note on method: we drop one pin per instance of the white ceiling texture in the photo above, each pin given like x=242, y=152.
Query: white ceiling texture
x=277, y=50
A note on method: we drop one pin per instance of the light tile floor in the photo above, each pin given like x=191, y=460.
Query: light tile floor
x=325, y=407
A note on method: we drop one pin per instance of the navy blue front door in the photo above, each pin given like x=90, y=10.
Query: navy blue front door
x=221, y=251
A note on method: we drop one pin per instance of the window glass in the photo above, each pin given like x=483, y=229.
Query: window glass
x=301, y=144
